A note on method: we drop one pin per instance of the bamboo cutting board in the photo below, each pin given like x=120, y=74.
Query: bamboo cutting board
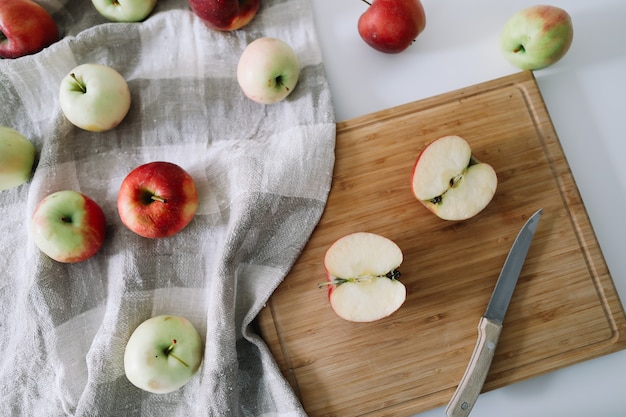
x=564, y=310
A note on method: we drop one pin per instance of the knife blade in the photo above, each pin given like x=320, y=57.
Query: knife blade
x=490, y=325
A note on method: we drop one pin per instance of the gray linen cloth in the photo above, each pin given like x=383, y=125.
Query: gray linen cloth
x=263, y=175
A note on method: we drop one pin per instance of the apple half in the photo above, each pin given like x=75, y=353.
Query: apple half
x=362, y=277
x=450, y=181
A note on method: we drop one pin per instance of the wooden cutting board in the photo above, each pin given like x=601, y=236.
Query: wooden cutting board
x=565, y=308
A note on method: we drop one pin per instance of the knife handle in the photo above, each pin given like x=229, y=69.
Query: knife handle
x=472, y=382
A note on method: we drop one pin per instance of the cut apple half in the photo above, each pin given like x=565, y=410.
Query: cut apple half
x=450, y=181
x=362, y=277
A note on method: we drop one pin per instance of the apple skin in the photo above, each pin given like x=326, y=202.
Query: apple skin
x=68, y=226
x=225, y=15
x=25, y=28
x=536, y=37
x=17, y=157
x=157, y=199
x=124, y=10
x=391, y=26
x=162, y=354
x=94, y=97
x=268, y=70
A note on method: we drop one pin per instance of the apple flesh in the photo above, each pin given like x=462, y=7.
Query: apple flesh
x=25, y=28
x=17, y=157
x=124, y=10
x=536, y=37
x=268, y=70
x=391, y=26
x=225, y=15
x=450, y=181
x=94, y=97
x=162, y=354
x=68, y=226
x=362, y=277
x=157, y=199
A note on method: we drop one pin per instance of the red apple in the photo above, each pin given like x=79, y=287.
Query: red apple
x=225, y=14
x=390, y=26
x=362, y=277
x=68, y=226
x=157, y=199
x=25, y=28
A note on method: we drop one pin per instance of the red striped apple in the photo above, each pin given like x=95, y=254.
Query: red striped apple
x=157, y=199
x=450, y=181
x=25, y=28
x=362, y=277
x=536, y=37
x=391, y=26
x=225, y=15
x=68, y=226
x=17, y=157
x=94, y=97
x=268, y=70
x=162, y=354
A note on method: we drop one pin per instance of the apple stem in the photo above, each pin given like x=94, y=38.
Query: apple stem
x=366, y=2
x=159, y=199
x=168, y=352
x=80, y=85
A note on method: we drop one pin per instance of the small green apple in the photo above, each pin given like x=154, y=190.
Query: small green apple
x=17, y=157
x=268, y=70
x=163, y=354
x=94, y=97
x=536, y=37
x=124, y=10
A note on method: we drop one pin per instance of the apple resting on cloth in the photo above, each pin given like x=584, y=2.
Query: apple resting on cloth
x=17, y=157
x=268, y=70
x=390, y=26
x=450, y=181
x=536, y=37
x=157, y=199
x=362, y=277
x=94, y=97
x=225, y=15
x=163, y=354
x=68, y=226
x=124, y=10
x=25, y=28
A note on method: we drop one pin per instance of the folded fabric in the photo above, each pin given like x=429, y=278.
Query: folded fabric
x=263, y=174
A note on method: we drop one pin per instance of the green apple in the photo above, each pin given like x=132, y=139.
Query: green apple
x=268, y=70
x=94, y=97
x=537, y=37
x=68, y=226
x=17, y=157
x=124, y=10
x=163, y=354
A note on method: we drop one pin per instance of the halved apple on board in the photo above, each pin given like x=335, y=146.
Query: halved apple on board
x=362, y=277
x=450, y=181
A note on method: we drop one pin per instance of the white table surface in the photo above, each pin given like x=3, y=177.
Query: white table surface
x=585, y=94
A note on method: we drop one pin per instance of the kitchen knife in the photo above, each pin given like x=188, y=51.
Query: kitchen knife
x=490, y=324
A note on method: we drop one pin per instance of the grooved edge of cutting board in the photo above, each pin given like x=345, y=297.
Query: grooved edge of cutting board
x=565, y=308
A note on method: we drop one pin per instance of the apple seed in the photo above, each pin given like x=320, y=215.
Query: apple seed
x=392, y=275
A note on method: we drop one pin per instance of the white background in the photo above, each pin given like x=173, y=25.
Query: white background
x=585, y=94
